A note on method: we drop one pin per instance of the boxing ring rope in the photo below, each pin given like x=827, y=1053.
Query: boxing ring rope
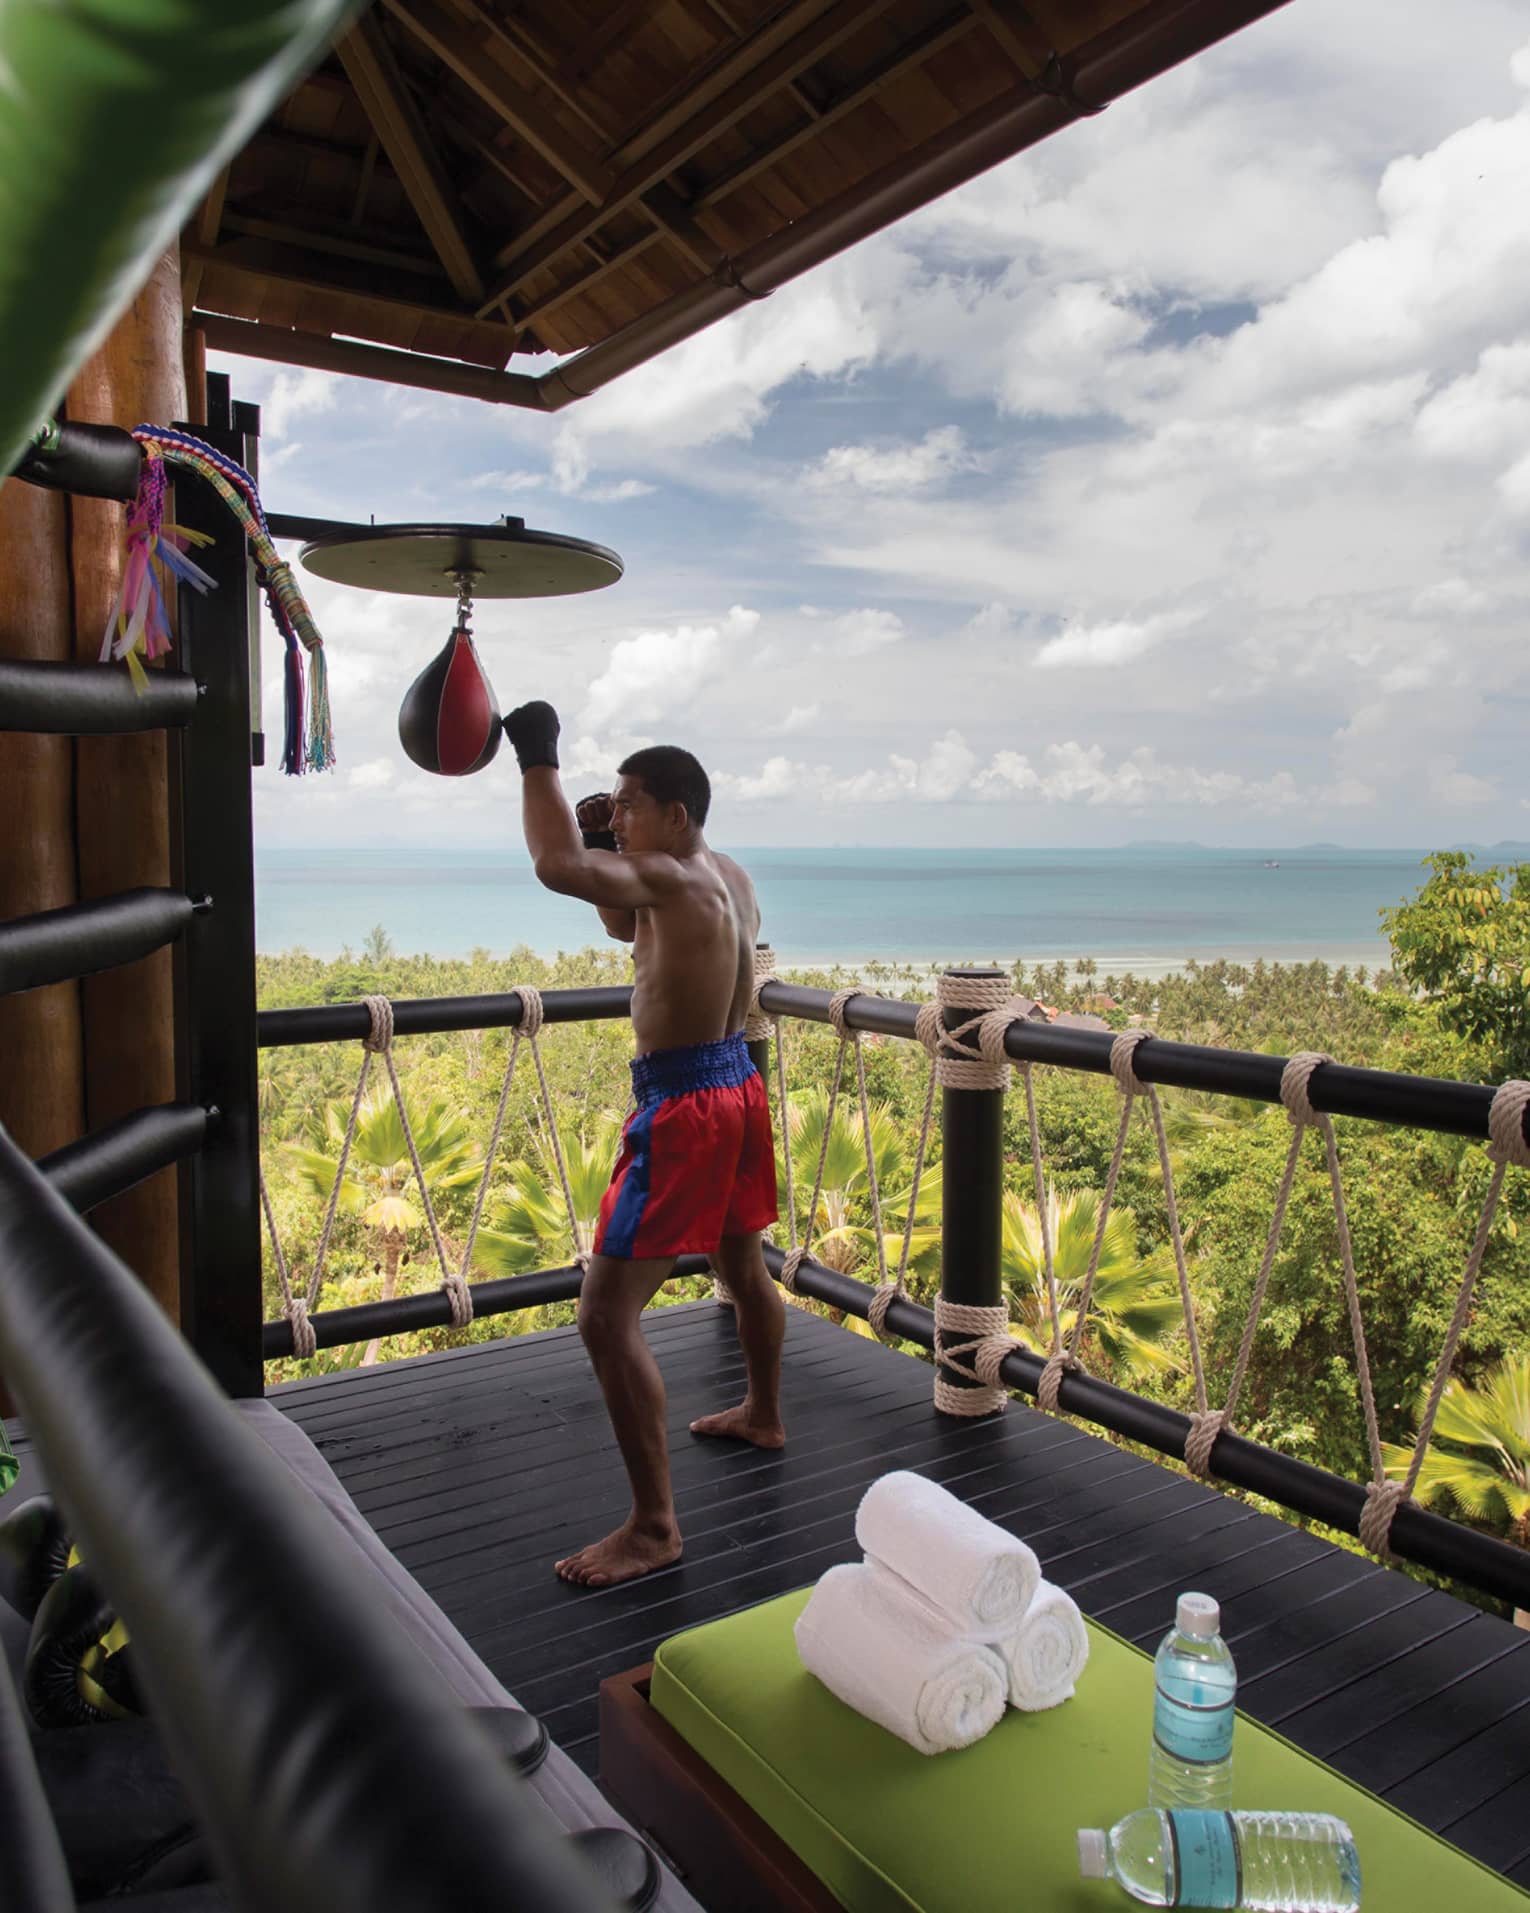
x=978, y=1050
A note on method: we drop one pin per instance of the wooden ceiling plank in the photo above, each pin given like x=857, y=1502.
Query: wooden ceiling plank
x=794, y=87
x=560, y=295
x=1017, y=33
x=734, y=65
x=519, y=260
x=464, y=52
x=949, y=28
x=369, y=64
x=512, y=35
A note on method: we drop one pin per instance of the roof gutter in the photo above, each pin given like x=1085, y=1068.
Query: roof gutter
x=1161, y=35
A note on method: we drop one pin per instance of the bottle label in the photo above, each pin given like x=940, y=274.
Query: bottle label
x=1208, y=1861
x=1197, y=1733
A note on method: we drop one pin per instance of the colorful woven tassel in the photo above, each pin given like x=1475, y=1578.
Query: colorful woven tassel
x=139, y=625
x=309, y=746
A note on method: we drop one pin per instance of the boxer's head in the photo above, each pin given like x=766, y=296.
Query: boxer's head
x=661, y=799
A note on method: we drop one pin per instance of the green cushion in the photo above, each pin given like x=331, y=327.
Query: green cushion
x=992, y=1827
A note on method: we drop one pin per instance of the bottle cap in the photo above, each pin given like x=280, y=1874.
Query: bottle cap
x=1091, y=1853
x=1197, y=1615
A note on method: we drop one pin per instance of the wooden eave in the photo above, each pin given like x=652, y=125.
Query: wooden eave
x=486, y=183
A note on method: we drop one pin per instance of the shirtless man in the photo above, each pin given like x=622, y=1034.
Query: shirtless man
x=697, y=1169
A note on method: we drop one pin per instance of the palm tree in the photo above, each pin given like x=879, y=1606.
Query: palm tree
x=1491, y=1481
x=1189, y=1114
x=838, y=1242
x=526, y=1224
x=378, y=1171
x=1135, y=1301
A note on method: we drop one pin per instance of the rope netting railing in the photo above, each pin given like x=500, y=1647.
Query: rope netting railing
x=968, y=1034
x=298, y=1305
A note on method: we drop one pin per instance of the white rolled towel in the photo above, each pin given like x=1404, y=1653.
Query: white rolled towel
x=968, y=1567
x=1046, y=1655
x=881, y=1650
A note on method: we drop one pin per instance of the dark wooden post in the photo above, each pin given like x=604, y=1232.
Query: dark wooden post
x=221, y=1303
x=972, y=1173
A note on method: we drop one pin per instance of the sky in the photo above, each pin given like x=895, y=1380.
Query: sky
x=1170, y=481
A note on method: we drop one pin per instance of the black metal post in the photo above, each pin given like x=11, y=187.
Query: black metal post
x=972, y=1173
x=215, y=971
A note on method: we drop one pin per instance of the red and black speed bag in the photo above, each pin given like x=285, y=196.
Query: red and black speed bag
x=449, y=720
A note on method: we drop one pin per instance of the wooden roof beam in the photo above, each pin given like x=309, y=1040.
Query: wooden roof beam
x=418, y=369
x=263, y=261
x=369, y=64
x=520, y=260
x=465, y=50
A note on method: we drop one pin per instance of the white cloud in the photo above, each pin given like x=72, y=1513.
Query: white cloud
x=718, y=385
x=654, y=673
x=799, y=717
x=858, y=632
x=377, y=773
x=897, y=467
x=517, y=481
x=1460, y=789
x=1095, y=646
x=293, y=395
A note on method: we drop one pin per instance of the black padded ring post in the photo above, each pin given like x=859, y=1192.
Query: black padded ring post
x=57, y=945
x=333, y=1771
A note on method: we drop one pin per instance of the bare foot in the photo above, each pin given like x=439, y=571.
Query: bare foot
x=621, y=1556
x=742, y=1424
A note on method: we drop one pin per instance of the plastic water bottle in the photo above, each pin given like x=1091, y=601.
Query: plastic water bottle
x=1273, y=1862
x=1195, y=1690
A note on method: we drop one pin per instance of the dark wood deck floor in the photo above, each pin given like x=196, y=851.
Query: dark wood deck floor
x=479, y=1467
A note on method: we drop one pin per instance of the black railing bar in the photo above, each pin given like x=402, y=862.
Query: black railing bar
x=124, y=1153
x=1412, y=1102
x=437, y=1015
x=56, y=946
x=1419, y=1535
x=208, y=1548
x=91, y=700
x=505, y=1295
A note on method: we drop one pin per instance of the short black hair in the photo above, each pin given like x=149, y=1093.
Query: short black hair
x=671, y=776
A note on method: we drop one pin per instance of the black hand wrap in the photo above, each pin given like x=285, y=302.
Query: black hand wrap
x=594, y=818
x=533, y=733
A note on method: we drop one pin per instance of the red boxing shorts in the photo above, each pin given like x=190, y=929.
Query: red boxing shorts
x=697, y=1162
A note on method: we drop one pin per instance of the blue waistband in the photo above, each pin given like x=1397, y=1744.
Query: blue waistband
x=663, y=1073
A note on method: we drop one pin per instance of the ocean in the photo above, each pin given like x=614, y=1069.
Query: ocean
x=1143, y=908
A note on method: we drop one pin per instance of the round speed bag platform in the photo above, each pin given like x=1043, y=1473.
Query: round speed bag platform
x=449, y=719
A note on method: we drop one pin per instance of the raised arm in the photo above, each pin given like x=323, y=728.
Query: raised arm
x=614, y=884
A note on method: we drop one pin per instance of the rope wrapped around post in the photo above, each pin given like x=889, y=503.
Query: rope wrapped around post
x=1506, y=1146
x=972, y=1339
